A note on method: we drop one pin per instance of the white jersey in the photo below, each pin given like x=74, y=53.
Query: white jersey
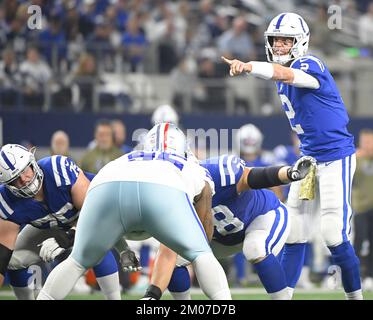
x=156, y=167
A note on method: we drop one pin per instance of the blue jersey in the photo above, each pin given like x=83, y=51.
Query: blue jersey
x=318, y=116
x=234, y=212
x=57, y=210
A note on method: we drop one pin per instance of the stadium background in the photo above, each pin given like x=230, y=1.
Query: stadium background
x=120, y=59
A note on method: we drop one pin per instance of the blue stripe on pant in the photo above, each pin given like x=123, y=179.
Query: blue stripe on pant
x=278, y=223
x=117, y=208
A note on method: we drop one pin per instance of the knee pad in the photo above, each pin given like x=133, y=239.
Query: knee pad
x=296, y=230
x=331, y=230
x=22, y=259
x=254, y=248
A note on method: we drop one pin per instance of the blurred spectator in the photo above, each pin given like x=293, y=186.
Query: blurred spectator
x=85, y=77
x=321, y=35
x=362, y=203
x=212, y=94
x=9, y=80
x=104, y=151
x=60, y=144
x=366, y=26
x=236, y=42
x=183, y=83
x=134, y=43
x=52, y=42
x=99, y=44
x=165, y=113
x=120, y=135
x=35, y=76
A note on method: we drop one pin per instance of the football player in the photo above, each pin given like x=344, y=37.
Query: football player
x=316, y=112
x=46, y=197
x=247, y=218
x=143, y=194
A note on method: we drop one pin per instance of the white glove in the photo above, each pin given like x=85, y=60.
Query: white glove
x=50, y=249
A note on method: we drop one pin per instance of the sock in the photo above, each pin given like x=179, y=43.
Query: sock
x=284, y=294
x=185, y=295
x=61, y=280
x=211, y=277
x=19, y=280
x=344, y=256
x=272, y=276
x=180, y=284
x=144, y=256
x=240, y=265
x=355, y=295
x=108, y=265
x=24, y=293
x=109, y=286
x=292, y=262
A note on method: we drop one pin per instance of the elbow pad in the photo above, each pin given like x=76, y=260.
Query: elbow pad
x=264, y=177
x=5, y=255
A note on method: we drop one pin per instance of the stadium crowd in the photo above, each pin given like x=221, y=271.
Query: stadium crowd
x=62, y=65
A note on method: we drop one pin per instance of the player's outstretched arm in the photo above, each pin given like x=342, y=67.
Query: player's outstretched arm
x=8, y=236
x=267, y=177
x=273, y=71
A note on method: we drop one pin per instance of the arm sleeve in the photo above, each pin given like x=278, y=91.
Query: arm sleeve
x=309, y=66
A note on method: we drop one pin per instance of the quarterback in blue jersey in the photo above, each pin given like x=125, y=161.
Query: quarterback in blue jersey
x=316, y=112
x=45, y=197
x=247, y=218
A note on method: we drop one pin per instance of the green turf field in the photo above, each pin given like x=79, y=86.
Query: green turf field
x=240, y=294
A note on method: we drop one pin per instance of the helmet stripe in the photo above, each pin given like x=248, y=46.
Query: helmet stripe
x=165, y=136
x=280, y=20
x=158, y=137
x=7, y=161
x=301, y=22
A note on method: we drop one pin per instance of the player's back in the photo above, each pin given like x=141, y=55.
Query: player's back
x=155, y=167
x=319, y=116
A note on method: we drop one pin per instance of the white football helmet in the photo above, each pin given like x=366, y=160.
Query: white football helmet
x=14, y=159
x=166, y=137
x=165, y=113
x=249, y=139
x=290, y=25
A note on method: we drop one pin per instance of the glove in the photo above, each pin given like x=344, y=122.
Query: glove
x=301, y=168
x=50, y=250
x=129, y=261
x=66, y=239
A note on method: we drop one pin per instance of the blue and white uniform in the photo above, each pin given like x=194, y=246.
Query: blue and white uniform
x=43, y=220
x=254, y=222
x=57, y=210
x=254, y=217
x=320, y=119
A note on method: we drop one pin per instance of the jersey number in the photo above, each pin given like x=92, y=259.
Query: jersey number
x=290, y=113
x=225, y=222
